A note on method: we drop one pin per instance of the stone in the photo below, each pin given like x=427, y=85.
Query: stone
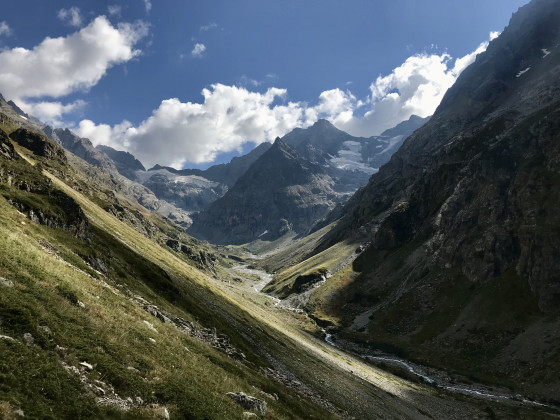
x=45, y=329
x=28, y=339
x=86, y=365
x=248, y=402
x=5, y=282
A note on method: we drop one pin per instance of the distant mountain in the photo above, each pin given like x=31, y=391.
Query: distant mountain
x=81, y=147
x=256, y=206
x=126, y=164
x=224, y=173
x=463, y=264
x=281, y=193
x=194, y=189
x=349, y=160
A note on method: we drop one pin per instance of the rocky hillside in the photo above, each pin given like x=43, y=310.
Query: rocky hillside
x=463, y=258
x=280, y=194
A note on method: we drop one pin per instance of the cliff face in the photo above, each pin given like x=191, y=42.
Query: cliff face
x=463, y=266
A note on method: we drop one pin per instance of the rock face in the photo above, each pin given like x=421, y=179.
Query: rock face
x=7, y=150
x=463, y=221
x=188, y=192
x=281, y=192
x=38, y=144
x=81, y=147
x=126, y=164
x=193, y=190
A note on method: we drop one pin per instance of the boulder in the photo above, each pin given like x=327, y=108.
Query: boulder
x=248, y=402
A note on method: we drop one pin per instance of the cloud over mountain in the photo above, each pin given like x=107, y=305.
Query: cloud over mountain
x=229, y=116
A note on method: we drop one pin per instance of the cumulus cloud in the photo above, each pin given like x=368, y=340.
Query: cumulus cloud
x=60, y=66
x=5, y=28
x=71, y=16
x=229, y=116
x=415, y=87
x=198, y=50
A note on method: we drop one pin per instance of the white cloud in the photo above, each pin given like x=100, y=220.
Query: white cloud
x=206, y=28
x=179, y=132
x=50, y=112
x=60, y=66
x=148, y=5
x=415, y=87
x=114, y=9
x=198, y=50
x=229, y=117
x=5, y=28
x=71, y=16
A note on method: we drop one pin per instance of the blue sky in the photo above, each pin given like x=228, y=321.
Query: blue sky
x=189, y=83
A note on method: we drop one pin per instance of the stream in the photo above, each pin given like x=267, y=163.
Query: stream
x=472, y=390
x=436, y=380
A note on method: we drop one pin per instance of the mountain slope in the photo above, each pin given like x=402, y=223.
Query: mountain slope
x=126, y=163
x=462, y=266
x=280, y=193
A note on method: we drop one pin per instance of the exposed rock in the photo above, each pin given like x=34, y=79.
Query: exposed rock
x=38, y=144
x=28, y=339
x=280, y=193
x=173, y=244
x=464, y=262
x=86, y=365
x=7, y=150
x=305, y=282
x=6, y=283
x=126, y=164
x=248, y=402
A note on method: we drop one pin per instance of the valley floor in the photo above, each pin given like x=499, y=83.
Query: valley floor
x=420, y=395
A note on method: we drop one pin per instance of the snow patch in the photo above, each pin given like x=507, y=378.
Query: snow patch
x=190, y=180
x=349, y=158
x=522, y=72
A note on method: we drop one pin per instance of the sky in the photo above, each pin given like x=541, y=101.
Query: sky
x=192, y=83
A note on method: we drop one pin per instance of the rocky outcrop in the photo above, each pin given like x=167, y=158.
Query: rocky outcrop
x=38, y=144
x=306, y=281
x=7, y=150
x=65, y=214
x=248, y=402
x=81, y=147
x=203, y=260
